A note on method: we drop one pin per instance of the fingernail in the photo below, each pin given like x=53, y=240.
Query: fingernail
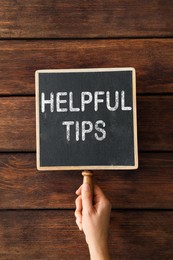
x=81, y=229
x=86, y=186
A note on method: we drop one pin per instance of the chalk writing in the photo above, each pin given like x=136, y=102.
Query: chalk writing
x=87, y=98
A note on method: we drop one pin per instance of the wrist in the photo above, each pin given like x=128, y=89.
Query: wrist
x=100, y=252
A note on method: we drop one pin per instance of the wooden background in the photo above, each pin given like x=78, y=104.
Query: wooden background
x=37, y=208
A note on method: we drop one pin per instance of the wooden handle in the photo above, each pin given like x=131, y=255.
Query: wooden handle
x=87, y=178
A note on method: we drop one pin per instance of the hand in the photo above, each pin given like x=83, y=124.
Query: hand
x=92, y=216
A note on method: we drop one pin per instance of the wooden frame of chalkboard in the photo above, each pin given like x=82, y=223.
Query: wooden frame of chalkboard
x=87, y=167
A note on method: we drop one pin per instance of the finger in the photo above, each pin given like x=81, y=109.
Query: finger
x=78, y=216
x=100, y=200
x=98, y=195
x=79, y=190
x=87, y=198
x=78, y=203
x=78, y=211
x=79, y=225
x=98, y=191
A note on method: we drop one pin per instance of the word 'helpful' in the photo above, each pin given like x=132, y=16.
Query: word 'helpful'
x=64, y=101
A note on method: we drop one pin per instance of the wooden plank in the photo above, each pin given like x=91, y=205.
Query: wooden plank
x=153, y=60
x=54, y=235
x=22, y=186
x=155, y=114
x=91, y=19
x=17, y=124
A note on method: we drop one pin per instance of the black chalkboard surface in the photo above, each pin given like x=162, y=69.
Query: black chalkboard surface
x=86, y=119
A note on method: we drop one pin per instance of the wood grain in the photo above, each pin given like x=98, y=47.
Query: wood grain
x=17, y=124
x=85, y=19
x=152, y=59
x=22, y=186
x=54, y=235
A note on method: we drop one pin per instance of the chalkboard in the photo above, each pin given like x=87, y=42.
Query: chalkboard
x=86, y=119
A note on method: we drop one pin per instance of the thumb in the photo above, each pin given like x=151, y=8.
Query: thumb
x=87, y=198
